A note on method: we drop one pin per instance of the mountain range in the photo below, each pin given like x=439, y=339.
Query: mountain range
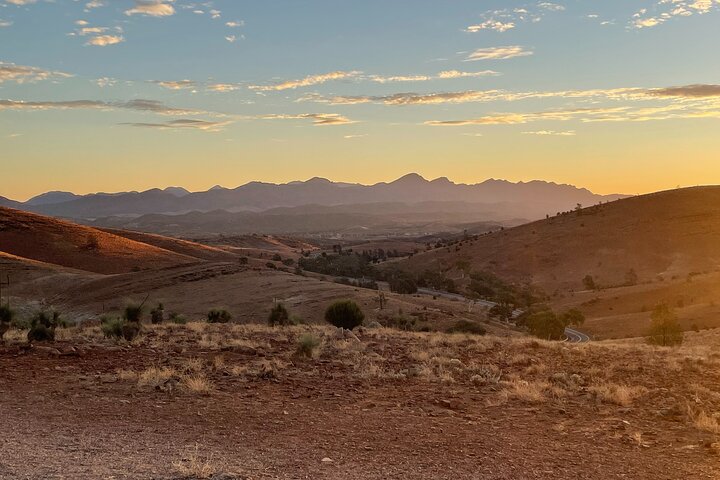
x=500, y=199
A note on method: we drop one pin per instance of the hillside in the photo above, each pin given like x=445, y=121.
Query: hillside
x=58, y=242
x=667, y=234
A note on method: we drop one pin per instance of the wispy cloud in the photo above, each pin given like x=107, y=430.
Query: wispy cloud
x=307, y=81
x=508, y=18
x=498, y=53
x=665, y=10
x=553, y=133
x=446, y=75
x=319, y=119
x=24, y=74
x=142, y=105
x=184, y=124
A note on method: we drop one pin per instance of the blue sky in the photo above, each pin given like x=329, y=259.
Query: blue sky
x=129, y=94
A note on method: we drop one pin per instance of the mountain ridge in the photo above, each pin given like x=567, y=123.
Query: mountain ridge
x=259, y=196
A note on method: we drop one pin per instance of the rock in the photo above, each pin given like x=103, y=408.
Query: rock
x=327, y=460
x=374, y=324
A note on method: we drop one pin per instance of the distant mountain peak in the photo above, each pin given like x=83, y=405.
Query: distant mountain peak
x=177, y=191
x=410, y=178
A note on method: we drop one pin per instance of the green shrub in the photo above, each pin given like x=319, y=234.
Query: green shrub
x=177, y=319
x=41, y=333
x=20, y=323
x=157, y=314
x=112, y=327
x=218, y=316
x=466, y=326
x=665, y=329
x=307, y=344
x=279, y=316
x=133, y=313
x=344, y=314
x=6, y=314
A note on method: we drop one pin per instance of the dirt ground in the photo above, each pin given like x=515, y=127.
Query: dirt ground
x=238, y=401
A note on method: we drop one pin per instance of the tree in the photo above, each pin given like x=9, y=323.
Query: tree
x=631, y=277
x=279, y=316
x=344, y=314
x=546, y=325
x=589, y=282
x=6, y=316
x=573, y=317
x=501, y=311
x=157, y=314
x=664, y=328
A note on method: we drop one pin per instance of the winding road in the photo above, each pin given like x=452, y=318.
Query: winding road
x=571, y=335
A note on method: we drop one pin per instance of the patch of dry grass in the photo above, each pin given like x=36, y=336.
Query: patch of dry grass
x=156, y=376
x=194, y=464
x=622, y=395
x=197, y=383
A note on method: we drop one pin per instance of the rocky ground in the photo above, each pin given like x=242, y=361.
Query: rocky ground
x=243, y=401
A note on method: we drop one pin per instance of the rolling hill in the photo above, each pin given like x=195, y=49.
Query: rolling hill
x=640, y=251
x=58, y=242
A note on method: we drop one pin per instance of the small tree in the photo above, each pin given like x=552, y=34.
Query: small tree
x=218, y=316
x=344, y=314
x=42, y=327
x=664, y=328
x=133, y=312
x=546, y=325
x=157, y=314
x=589, y=282
x=279, y=316
x=6, y=316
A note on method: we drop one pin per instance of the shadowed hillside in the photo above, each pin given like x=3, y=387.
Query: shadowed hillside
x=58, y=242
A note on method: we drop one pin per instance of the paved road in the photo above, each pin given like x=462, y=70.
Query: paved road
x=573, y=336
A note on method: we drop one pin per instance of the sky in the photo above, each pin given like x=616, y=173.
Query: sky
x=619, y=96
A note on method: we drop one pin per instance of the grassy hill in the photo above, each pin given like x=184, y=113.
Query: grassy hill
x=57, y=242
x=663, y=235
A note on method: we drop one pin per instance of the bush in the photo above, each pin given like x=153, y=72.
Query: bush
x=307, y=344
x=41, y=333
x=112, y=327
x=665, y=329
x=218, y=316
x=279, y=316
x=177, y=319
x=403, y=285
x=344, y=314
x=466, y=326
x=157, y=314
x=133, y=313
x=6, y=314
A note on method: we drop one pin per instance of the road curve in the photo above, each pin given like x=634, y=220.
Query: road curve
x=572, y=335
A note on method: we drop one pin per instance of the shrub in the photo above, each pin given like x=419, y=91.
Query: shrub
x=6, y=314
x=307, y=344
x=589, y=282
x=244, y=260
x=279, y=316
x=344, y=314
x=42, y=326
x=218, y=316
x=466, y=326
x=664, y=329
x=130, y=330
x=403, y=285
x=178, y=319
x=112, y=327
x=133, y=313
x=277, y=257
x=157, y=314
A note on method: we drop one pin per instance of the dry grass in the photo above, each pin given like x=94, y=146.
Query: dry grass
x=156, y=376
x=525, y=391
x=704, y=421
x=622, y=395
x=198, y=383
x=196, y=465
